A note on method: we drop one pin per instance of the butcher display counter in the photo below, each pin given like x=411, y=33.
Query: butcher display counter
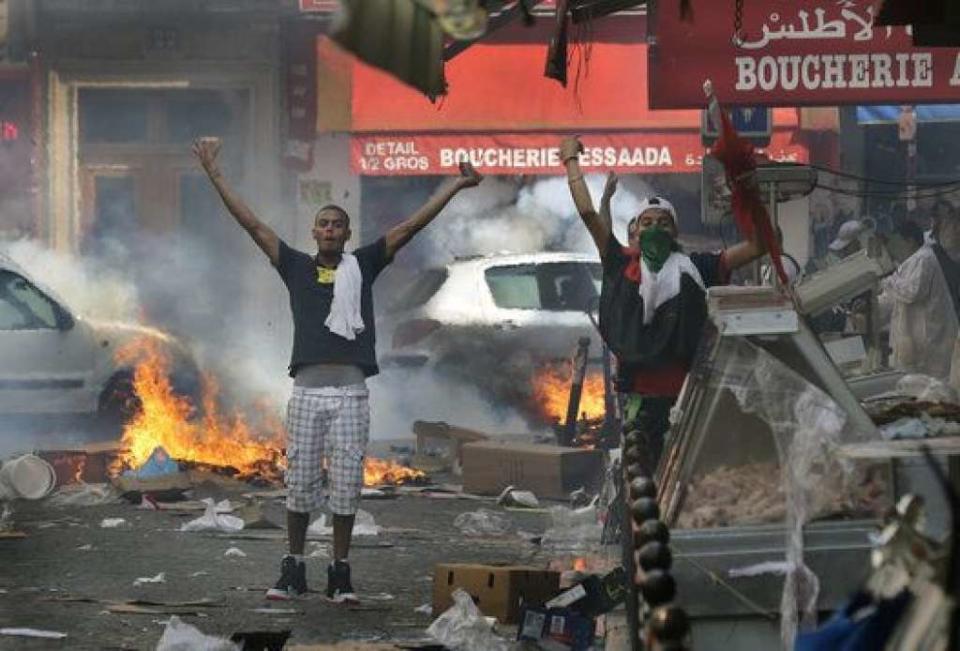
x=766, y=517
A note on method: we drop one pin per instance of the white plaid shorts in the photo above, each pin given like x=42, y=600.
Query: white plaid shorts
x=327, y=433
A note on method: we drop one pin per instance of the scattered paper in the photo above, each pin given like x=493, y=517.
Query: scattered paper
x=425, y=609
x=160, y=578
x=112, y=523
x=364, y=525
x=235, y=552
x=32, y=632
x=85, y=548
x=200, y=573
x=320, y=550
x=180, y=636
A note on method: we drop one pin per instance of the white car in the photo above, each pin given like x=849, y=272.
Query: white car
x=57, y=368
x=485, y=317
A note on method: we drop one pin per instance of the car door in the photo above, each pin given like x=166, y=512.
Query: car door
x=47, y=356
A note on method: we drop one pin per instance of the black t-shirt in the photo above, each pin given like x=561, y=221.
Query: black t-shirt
x=311, y=294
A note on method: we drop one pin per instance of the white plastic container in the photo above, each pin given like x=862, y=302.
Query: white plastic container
x=27, y=477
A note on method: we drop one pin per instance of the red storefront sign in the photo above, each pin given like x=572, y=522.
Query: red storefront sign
x=795, y=52
x=539, y=153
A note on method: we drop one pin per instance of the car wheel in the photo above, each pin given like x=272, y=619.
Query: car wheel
x=117, y=405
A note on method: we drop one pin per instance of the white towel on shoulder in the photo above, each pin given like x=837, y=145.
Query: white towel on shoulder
x=345, y=318
x=658, y=288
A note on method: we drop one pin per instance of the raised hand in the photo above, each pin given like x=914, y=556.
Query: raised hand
x=206, y=150
x=610, y=187
x=469, y=176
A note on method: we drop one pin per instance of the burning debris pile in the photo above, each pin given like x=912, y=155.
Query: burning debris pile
x=551, y=397
x=246, y=447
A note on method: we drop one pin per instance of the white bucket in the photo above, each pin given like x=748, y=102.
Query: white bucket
x=28, y=477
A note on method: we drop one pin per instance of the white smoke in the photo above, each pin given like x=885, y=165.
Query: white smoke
x=503, y=216
x=89, y=288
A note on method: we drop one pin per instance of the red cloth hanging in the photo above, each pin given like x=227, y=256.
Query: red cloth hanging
x=739, y=162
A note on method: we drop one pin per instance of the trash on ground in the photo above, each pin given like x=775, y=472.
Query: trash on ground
x=557, y=628
x=112, y=523
x=498, y=589
x=573, y=529
x=84, y=495
x=425, y=609
x=180, y=636
x=26, y=477
x=200, y=573
x=781, y=568
x=463, y=627
x=85, y=548
x=235, y=552
x=143, y=580
x=211, y=520
x=580, y=498
x=513, y=497
x=255, y=516
x=275, y=611
x=32, y=632
x=483, y=522
x=384, y=493
x=363, y=525
x=594, y=595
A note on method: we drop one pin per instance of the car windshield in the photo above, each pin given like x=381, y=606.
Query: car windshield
x=554, y=286
x=23, y=306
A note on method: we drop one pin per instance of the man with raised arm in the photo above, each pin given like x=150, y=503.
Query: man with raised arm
x=652, y=301
x=328, y=415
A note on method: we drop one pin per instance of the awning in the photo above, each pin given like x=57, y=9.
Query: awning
x=925, y=113
x=634, y=152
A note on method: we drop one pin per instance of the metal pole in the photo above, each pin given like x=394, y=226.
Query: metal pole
x=576, y=390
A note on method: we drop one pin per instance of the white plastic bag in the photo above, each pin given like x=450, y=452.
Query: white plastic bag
x=483, y=522
x=213, y=521
x=463, y=627
x=179, y=636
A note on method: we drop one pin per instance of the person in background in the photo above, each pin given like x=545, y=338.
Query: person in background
x=906, y=239
x=922, y=297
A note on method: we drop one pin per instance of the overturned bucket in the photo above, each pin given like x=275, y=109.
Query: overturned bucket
x=27, y=477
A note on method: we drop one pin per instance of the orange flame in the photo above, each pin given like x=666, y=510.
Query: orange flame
x=170, y=421
x=580, y=564
x=377, y=472
x=551, y=392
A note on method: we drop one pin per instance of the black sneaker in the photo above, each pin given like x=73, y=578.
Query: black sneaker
x=339, y=588
x=292, y=582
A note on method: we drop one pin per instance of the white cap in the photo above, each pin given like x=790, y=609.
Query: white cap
x=849, y=232
x=658, y=203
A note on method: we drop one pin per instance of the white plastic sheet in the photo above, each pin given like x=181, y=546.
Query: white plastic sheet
x=180, y=636
x=211, y=520
x=482, y=523
x=363, y=525
x=463, y=627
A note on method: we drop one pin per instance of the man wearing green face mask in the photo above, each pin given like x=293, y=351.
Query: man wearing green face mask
x=652, y=302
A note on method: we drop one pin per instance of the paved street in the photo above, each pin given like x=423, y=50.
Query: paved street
x=66, y=555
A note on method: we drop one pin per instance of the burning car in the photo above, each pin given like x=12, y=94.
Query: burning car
x=494, y=320
x=61, y=368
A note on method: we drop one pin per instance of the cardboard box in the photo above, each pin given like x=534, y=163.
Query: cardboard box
x=498, y=590
x=445, y=441
x=549, y=471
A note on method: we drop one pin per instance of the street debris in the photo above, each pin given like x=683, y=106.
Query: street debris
x=483, y=522
x=32, y=632
x=573, y=529
x=160, y=578
x=85, y=548
x=180, y=636
x=511, y=497
x=425, y=609
x=497, y=589
x=26, y=477
x=464, y=628
x=235, y=552
x=214, y=520
x=157, y=464
x=112, y=523
x=75, y=495
x=320, y=550
x=364, y=525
